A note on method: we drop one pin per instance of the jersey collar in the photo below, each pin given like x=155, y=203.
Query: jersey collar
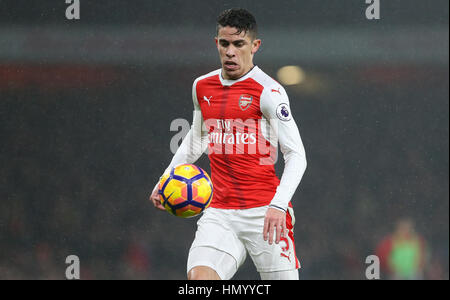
x=227, y=82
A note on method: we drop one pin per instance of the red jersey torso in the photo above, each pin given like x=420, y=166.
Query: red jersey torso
x=242, y=169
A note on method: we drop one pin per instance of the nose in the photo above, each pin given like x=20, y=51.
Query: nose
x=230, y=52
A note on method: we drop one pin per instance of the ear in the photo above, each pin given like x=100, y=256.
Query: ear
x=255, y=45
x=217, y=41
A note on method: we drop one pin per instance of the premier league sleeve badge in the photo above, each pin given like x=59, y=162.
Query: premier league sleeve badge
x=284, y=112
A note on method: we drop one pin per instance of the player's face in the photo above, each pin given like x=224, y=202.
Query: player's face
x=236, y=52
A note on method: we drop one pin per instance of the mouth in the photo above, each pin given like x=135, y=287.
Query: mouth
x=230, y=65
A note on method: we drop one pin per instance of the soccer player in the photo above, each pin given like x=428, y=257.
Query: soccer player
x=240, y=116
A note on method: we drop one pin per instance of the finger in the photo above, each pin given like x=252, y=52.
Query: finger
x=157, y=203
x=279, y=233
x=160, y=207
x=284, y=233
x=266, y=229
x=154, y=198
x=272, y=229
x=154, y=195
x=283, y=230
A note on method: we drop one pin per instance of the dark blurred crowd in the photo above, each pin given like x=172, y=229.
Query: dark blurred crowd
x=79, y=162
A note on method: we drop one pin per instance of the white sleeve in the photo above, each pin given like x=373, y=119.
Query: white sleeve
x=275, y=108
x=195, y=142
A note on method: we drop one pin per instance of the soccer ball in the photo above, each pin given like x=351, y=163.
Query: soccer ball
x=186, y=191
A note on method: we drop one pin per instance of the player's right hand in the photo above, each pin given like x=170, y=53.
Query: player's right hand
x=154, y=197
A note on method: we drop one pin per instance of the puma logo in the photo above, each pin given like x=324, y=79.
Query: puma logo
x=287, y=256
x=276, y=91
x=285, y=249
x=207, y=100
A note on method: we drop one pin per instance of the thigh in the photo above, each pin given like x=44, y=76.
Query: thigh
x=268, y=258
x=280, y=275
x=216, y=245
x=221, y=262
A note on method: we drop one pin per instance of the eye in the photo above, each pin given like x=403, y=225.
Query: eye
x=224, y=43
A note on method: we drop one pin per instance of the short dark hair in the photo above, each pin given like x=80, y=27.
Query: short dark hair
x=240, y=19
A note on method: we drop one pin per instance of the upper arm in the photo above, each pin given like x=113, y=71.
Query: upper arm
x=197, y=122
x=276, y=109
x=194, y=95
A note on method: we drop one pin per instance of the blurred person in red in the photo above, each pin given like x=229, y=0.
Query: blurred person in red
x=403, y=253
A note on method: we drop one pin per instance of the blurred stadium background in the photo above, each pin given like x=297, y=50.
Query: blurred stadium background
x=86, y=107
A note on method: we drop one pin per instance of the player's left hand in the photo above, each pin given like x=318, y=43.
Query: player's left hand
x=275, y=221
x=155, y=199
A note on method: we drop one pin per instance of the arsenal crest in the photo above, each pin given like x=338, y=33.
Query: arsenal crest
x=245, y=101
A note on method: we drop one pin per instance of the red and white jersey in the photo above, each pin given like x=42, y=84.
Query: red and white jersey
x=242, y=121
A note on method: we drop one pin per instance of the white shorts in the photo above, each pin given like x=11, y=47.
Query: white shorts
x=224, y=236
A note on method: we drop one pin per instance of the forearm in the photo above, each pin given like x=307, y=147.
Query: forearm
x=294, y=168
x=193, y=145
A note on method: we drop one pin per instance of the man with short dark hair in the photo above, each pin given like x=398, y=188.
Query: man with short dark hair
x=240, y=115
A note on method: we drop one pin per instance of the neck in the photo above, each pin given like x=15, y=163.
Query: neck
x=224, y=76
